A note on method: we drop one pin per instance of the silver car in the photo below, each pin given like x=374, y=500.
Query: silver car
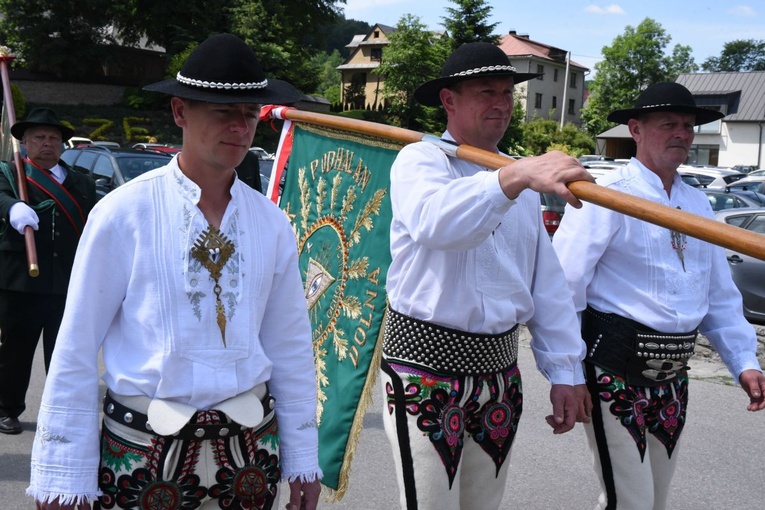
x=748, y=272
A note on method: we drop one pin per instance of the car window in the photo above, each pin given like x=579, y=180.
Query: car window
x=738, y=202
x=757, y=224
x=134, y=166
x=748, y=186
x=737, y=221
x=85, y=162
x=705, y=180
x=69, y=156
x=103, y=168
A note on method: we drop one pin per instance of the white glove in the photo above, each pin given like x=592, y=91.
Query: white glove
x=21, y=216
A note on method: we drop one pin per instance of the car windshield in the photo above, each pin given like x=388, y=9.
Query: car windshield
x=132, y=166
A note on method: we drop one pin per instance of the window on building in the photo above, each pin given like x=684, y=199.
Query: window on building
x=377, y=34
x=538, y=100
x=572, y=81
x=704, y=155
x=376, y=54
x=710, y=127
x=571, y=106
x=555, y=75
x=555, y=102
x=540, y=71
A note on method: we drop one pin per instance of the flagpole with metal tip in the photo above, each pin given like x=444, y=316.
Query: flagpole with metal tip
x=21, y=178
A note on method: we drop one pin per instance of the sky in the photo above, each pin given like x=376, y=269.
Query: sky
x=585, y=27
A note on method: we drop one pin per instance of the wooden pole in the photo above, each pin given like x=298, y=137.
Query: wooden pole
x=715, y=232
x=21, y=177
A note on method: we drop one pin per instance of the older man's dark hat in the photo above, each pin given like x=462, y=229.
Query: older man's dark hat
x=41, y=117
x=469, y=61
x=224, y=69
x=665, y=97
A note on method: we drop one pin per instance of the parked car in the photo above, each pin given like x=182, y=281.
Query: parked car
x=261, y=153
x=599, y=169
x=748, y=272
x=588, y=158
x=745, y=169
x=77, y=140
x=553, y=207
x=711, y=177
x=111, y=168
x=721, y=200
x=159, y=147
x=756, y=173
x=691, y=181
x=106, y=143
x=750, y=183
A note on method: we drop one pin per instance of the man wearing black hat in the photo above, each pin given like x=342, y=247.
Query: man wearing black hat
x=471, y=261
x=644, y=292
x=59, y=202
x=187, y=281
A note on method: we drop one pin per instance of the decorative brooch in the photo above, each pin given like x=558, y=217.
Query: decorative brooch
x=213, y=249
x=679, y=242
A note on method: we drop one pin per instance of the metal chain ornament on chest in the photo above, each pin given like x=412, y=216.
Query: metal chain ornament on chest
x=212, y=249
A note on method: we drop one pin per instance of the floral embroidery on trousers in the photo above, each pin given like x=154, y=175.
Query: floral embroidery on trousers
x=143, y=471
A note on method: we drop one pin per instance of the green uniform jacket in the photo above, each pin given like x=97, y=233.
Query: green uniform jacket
x=56, y=240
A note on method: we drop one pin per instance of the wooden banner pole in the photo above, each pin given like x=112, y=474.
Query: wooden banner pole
x=21, y=177
x=715, y=232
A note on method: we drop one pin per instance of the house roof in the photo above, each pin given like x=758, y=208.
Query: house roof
x=356, y=40
x=515, y=45
x=365, y=65
x=620, y=131
x=744, y=93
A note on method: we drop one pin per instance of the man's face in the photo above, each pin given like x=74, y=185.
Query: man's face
x=217, y=135
x=44, y=145
x=663, y=139
x=479, y=110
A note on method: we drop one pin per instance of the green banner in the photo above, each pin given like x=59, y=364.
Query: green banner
x=336, y=196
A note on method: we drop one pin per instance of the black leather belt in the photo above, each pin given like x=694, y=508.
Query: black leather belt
x=637, y=353
x=191, y=431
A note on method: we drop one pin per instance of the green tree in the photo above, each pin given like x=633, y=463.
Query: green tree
x=329, y=77
x=283, y=34
x=413, y=56
x=739, y=55
x=72, y=40
x=50, y=36
x=543, y=135
x=340, y=33
x=512, y=141
x=635, y=60
x=468, y=22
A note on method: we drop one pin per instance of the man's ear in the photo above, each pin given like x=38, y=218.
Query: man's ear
x=635, y=129
x=447, y=99
x=178, y=107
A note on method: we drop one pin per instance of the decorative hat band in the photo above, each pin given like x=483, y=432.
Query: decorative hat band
x=222, y=86
x=659, y=105
x=483, y=70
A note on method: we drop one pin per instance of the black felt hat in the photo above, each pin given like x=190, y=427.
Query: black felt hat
x=41, y=117
x=665, y=97
x=472, y=60
x=224, y=69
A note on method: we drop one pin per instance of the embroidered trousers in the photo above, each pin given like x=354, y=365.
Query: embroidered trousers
x=634, y=434
x=451, y=435
x=143, y=471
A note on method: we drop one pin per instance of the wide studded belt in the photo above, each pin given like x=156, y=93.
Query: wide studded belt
x=445, y=350
x=196, y=429
x=639, y=354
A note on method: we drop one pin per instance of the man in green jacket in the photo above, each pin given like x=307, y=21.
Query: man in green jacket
x=59, y=200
